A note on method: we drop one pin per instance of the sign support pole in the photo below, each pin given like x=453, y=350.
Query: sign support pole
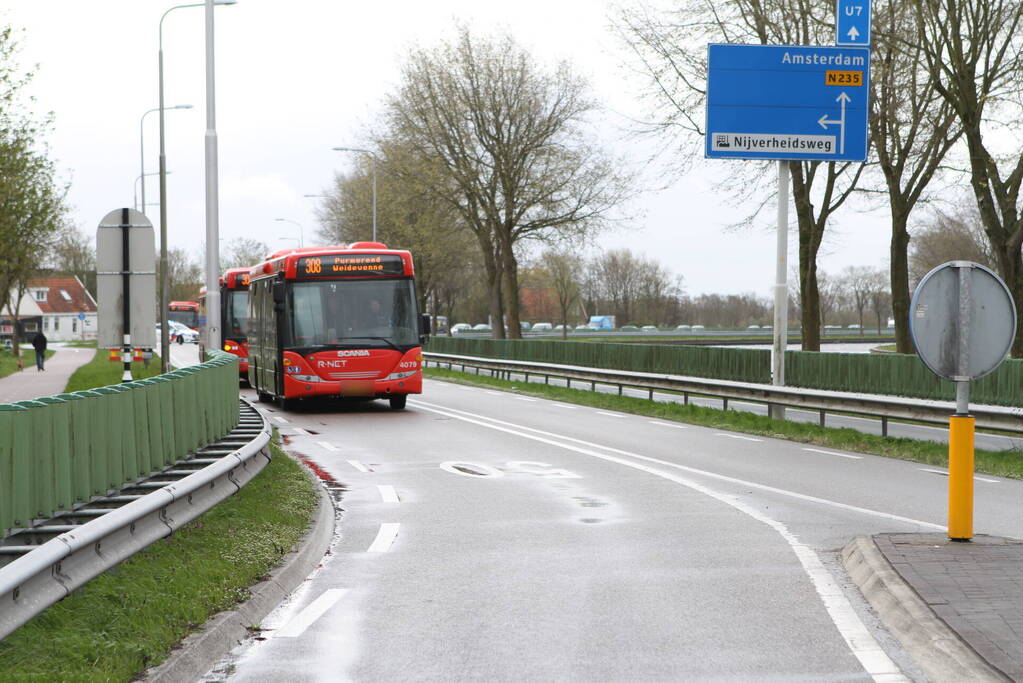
x=781, y=290
x=961, y=425
x=126, y=308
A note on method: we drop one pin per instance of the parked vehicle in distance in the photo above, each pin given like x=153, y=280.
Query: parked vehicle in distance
x=854, y=326
x=698, y=328
x=560, y=328
x=683, y=327
x=832, y=327
x=542, y=327
x=753, y=327
x=179, y=333
x=524, y=326
x=629, y=328
x=582, y=327
x=482, y=327
x=650, y=328
x=460, y=327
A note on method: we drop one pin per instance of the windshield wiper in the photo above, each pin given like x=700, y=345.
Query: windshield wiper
x=383, y=339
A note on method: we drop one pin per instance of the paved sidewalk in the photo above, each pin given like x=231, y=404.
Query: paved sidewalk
x=956, y=607
x=31, y=383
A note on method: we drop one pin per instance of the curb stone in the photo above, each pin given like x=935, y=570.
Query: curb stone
x=936, y=648
x=200, y=651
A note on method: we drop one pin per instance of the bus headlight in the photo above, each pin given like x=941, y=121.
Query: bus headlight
x=305, y=378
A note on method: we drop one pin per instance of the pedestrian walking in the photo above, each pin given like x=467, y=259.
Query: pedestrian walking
x=39, y=343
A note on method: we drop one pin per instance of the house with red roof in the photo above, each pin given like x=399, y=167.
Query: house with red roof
x=59, y=307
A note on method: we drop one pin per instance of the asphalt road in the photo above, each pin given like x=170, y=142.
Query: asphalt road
x=492, y=536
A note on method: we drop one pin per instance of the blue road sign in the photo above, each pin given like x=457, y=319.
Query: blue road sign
x=81, y=316
x=852, y=22
x=796, y=103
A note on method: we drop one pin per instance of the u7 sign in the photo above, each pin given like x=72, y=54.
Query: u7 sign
x=787, y=102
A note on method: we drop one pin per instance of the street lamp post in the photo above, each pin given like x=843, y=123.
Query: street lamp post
x=135, y=189
x=301, y=239
x=164, y=280
x=142, y=149
x=374, y=166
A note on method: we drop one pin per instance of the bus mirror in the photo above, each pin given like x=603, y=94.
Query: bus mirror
x=424, y=324
x=278, y=292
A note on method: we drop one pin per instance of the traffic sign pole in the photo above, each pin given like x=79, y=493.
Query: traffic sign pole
x=781, y=289
x=960, y=476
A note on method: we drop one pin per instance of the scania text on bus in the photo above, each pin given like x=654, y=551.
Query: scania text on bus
x=335, y=321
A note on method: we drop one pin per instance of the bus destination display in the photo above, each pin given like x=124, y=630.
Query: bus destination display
x=342, y=265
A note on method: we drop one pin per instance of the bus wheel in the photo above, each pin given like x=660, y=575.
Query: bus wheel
x=398, y=402
x=285, y=403
x=264, y=398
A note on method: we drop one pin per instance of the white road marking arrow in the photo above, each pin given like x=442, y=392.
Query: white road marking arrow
x=853, y=33
x=824, y=121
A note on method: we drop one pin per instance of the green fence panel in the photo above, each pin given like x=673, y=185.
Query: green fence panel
x=99, y=441
x=126, y=425
x=40, y=460
x=139, y=396
x=165, y=420
x=14, y=509
x=113, y=458
x=59, y=418
x=81, y=436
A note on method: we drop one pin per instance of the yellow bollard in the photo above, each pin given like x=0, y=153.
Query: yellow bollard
x=960, y=477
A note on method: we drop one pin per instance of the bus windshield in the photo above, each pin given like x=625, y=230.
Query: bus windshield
x=236, y=313
x=366, y=313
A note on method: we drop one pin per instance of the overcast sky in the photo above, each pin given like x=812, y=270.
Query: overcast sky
x=295, y=79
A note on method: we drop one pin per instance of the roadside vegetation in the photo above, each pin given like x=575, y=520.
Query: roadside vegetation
x=131, y=617
x=1007, y=463
x=101, y=372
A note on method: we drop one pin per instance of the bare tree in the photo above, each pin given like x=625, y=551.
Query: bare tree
x=185, y=276
x=74, y=253
x=974, y=51
x=509, y=136
x=957, y=236
x=243, y=251
x=880, y=296
x=409, y=216
x=858, y=284
x=563, y=269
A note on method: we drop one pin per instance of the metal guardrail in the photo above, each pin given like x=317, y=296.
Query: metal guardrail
x=49, y=572
x=882, y=407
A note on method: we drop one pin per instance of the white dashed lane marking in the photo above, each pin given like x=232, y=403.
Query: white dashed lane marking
x=328, y=447
x=667, y=424
x=837, y=455
x=388, y=494
x=385, y=537
x=297, y=625
x=601, y=412
x=358, y=465
x=736, y=436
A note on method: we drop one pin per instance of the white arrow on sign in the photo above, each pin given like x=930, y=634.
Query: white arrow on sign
x=824, y=121
x=853, y=33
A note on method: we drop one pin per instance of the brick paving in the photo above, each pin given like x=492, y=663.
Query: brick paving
x=976, y=588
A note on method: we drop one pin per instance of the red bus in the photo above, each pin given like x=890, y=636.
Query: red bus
x=234, y=316
x=184, y=312
x=335, y=322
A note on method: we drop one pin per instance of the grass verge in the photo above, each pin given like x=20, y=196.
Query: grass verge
x=9, y=364
x=131, y=617
x=101, y=372
x=1007, y=463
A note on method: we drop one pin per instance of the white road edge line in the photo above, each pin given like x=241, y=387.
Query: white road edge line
x=856, y=635
x=388, y=494
x=736, y=436
x=358, y=465
x=667, y=424
x=601, y=412
x=385, y=537
x=523, y=398
x=945, y=474
x=837, y=455
x=328, y=446
x=297, y=625
x=567, y=407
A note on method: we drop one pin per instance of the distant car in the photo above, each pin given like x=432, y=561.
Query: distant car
x=630, y=328
x=460, y=327
x=650, y=328
x=832, y=327
x=767, y=327
x=683, y=327
x=753, y=327
x=560, y=328
x=482, y=327
x=179, y=333
x=854, y=326
x=698, y=328
x=542, y=327
x=524, y=326
x=582, y=327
